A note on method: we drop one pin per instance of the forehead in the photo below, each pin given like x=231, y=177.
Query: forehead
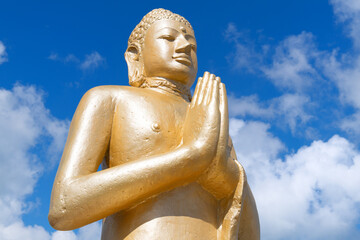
x=167, y=23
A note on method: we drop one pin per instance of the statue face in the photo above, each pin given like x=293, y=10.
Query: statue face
x=170, y=52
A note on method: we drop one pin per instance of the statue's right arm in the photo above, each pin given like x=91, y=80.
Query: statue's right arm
x=82, y=195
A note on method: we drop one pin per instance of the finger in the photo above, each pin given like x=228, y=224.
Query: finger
x=206, y=74
x=209, y=91
x=224, y=98
x=196, y=93
x=218, y=79
x=215, y=93
x=203, y=86
x=209, y=88
x=224, y=110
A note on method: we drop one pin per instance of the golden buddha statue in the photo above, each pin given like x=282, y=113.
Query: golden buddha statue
x=169, y=167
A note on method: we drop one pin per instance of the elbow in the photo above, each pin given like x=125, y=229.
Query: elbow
x=59, y=220
x=65, y=213
x=59, y=216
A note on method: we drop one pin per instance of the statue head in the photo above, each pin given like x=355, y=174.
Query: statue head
x=162, y=45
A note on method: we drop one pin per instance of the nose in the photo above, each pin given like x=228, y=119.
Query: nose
x=182, y=45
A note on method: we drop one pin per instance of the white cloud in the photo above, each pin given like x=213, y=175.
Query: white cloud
x=291, y=66
x=351, y=124
x=245, y=56
x=346, y=74
x=293, y=69
x=71, y=58
x=92, y=61
x=255, y=146
x=344, y=69
x=297, y=68
x=89, y=232
x=3, y=54
x=24, y=123
x=17, y=231
x=291, y=110
x=66, y=235
x=348, y=12
x=311, y=194
x=248, y=105
x=20, y=131
x=53, y=56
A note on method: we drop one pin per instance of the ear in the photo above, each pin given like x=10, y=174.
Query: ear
x=132, y=53
x=135, y=65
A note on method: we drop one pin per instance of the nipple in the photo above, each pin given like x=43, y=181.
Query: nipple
x=155, y=127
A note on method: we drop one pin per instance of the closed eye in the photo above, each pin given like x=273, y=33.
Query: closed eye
x=167, y=37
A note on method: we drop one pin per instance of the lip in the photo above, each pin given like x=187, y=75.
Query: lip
x=183, y=59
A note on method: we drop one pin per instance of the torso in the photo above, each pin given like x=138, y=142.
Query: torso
x=155, y=128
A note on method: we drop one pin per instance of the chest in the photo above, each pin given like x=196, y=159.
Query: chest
x=145, y=126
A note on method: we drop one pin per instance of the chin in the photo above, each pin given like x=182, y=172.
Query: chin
x=183, y=77
x=184, y=74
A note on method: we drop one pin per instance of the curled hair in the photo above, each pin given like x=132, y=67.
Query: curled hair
x=138, y=34
x=136, y=76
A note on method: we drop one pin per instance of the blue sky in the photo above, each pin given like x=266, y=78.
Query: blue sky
x=292, y=71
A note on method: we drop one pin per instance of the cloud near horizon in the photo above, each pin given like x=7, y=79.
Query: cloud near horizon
x=310, y=194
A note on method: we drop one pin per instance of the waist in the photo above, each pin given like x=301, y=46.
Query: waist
x=187, y=212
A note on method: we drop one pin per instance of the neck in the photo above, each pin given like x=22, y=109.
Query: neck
x=169, y=86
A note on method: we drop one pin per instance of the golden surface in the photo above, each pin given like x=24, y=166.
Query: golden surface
x=169, y=167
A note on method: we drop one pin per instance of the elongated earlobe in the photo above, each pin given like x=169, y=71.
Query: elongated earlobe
x=135, y=65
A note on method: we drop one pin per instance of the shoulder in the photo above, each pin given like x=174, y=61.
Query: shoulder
x=105, y=99
x=112, y=93
x=104, y=92
x=101, y=98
